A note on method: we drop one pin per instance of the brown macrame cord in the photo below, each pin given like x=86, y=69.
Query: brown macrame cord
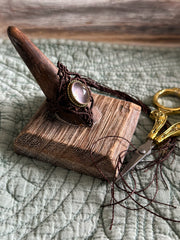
x=161, y=153
x=62, y=102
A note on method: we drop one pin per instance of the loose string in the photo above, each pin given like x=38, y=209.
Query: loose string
x=157, y=163
x=161, y=153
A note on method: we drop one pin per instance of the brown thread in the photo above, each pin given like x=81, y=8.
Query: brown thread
x=164, y=150
x=158, y=167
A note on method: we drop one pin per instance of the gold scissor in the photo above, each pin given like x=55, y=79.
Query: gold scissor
x=160, y=116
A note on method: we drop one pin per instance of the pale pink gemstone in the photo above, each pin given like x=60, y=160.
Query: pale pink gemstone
x=80, y=92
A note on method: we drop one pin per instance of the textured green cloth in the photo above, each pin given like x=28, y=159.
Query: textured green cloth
x=40, y=201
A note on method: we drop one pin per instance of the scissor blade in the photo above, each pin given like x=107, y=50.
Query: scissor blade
x=143, y=151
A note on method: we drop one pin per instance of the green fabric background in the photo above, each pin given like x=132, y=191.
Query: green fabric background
x=40, y=201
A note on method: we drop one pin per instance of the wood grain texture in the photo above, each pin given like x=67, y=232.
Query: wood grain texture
x=69, y=146
x=95, y=20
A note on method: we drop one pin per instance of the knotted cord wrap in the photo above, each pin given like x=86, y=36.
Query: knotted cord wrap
x=63, y=104
x=161, y=153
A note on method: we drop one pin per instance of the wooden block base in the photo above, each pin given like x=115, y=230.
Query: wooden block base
x=70, y=146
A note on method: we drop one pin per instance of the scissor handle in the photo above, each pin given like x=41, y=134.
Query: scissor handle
x=165, y=92
x=160, y=118
x=173, y=130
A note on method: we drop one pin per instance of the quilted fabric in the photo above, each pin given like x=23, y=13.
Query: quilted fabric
x=40, y=201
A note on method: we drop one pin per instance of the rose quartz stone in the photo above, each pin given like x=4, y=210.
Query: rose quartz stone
x=80, y=93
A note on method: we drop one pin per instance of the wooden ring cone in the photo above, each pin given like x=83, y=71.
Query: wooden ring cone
x=43, y=70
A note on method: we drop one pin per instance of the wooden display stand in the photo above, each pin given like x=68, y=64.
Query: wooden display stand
x=67, y=145
x=70, y=146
